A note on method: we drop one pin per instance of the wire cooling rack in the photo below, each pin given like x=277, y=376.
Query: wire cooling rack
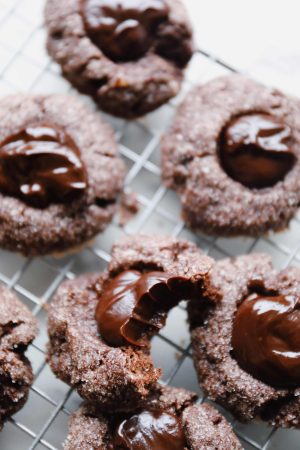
x=42, y=423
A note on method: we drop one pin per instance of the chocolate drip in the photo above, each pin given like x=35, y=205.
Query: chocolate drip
x=41, y=165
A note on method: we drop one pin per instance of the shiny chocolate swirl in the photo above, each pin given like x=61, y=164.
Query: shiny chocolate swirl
x=255, y=150
x=41, y=165
x=266, y=339
x=134, y=305
x=123, y=29
x=150, y=430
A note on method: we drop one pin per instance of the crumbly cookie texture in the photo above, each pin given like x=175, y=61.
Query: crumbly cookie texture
x=60, y=227
x=18, y=328
x=128, y=89
x=204, y=426
x=117, y=378
x=211, y=200
x=219, y=373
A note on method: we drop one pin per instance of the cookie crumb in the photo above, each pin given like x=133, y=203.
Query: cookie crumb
x=129, y=207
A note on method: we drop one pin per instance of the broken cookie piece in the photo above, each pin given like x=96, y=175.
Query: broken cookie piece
x=18, y=328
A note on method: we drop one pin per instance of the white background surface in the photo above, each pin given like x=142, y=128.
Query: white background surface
x=260, y=38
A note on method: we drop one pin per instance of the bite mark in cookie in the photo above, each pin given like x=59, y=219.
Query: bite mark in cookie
x=134, y=305
x=108, y=368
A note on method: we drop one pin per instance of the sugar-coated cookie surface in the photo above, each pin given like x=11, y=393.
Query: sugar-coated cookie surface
x=248, y=395
x=214, y=201
x=203, y=426
x=56, y=226
x=126, y=87
x=116, y=377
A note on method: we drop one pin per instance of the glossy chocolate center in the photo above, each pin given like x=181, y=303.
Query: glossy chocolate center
x=134, y=305
x=266, y=339
x=123, y=29
x=41, y=165
x=150, y=430
x=255, y=150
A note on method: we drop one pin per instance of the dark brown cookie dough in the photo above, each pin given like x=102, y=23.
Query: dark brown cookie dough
x=120, y=377
x=126, y=89
x=212, y=200
x=18, y=328
x=60, y=226
x=220, y=373
x=203, y=426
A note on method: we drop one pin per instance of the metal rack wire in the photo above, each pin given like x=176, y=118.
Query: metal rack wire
x=42, y=423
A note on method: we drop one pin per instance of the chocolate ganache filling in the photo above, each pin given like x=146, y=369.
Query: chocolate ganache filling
x=255, y=150
x=153, y=429
x=134, y=305
x=266, y=338
x=125, y=30
x=41, y=165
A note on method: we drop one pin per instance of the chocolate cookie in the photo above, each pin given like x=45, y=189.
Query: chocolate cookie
x=246, y=339
x=128, y=55
x=100, y=325
x=60, y=173
x=18, y=328
x=233, y=155
x=170, y=420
